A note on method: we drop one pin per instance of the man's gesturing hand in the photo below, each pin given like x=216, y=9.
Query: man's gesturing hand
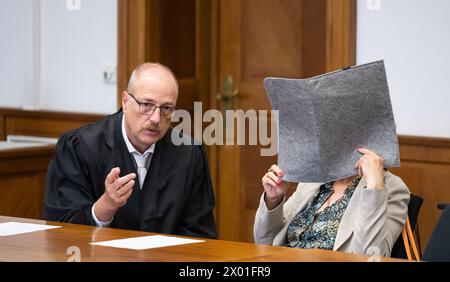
x=117, y=191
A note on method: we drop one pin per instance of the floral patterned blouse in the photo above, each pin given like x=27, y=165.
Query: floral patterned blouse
x=309, y=229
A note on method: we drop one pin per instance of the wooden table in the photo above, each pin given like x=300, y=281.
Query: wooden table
x=53, y=245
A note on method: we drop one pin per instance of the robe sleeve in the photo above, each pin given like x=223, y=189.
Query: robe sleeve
x=197, y=215
x=69, y=196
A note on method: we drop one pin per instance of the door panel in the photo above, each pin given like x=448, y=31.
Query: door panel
x=262, y=40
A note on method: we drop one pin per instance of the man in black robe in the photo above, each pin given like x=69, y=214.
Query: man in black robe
x=125, y=172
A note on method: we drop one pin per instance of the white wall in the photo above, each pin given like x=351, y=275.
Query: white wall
x=73, y=47
x=16, y=52
x=413, y=37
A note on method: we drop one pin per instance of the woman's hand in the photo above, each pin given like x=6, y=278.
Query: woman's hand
x=274, y=187
x=371, y=166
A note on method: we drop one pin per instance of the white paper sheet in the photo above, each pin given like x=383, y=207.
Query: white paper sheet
x=14, y=228
x=146, y=242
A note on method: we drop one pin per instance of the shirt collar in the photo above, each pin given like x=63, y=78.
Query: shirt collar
x=130, y=146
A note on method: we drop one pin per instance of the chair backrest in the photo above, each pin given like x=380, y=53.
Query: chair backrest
x=438, y=247
x=415, y=203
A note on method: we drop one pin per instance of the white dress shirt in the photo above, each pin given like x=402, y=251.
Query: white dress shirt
x=142, y=162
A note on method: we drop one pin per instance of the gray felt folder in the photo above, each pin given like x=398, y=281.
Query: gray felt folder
x=322, y=120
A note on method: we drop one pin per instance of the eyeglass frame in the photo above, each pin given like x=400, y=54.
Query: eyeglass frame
x=154, y=107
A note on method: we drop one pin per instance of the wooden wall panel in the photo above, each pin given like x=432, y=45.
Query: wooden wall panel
x=2, y=127
x=26, y=199
x=25, y=160
x=36, y=127
x=425, y=168
x=41, y=123
x=22, y=181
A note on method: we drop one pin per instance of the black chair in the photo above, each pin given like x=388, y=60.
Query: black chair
x=415, y=203
x=438, y=247
x=442, y=206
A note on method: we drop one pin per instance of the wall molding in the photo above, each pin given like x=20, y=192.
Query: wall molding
x=424, y=141
x=41, y=123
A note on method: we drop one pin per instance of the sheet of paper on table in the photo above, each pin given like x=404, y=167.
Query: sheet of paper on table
x=147, y=242
x=15, y=228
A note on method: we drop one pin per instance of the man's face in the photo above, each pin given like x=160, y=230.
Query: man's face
x=155, y=87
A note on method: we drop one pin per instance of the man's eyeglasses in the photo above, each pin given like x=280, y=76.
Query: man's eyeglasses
x=147, y=108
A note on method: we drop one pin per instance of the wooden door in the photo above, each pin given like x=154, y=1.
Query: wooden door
x=173, y=32
x=254, y=39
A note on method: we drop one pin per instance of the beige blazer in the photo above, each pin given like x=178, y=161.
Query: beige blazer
x=370, y=225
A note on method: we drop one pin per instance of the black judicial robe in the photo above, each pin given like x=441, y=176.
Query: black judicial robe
x=176, y=198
